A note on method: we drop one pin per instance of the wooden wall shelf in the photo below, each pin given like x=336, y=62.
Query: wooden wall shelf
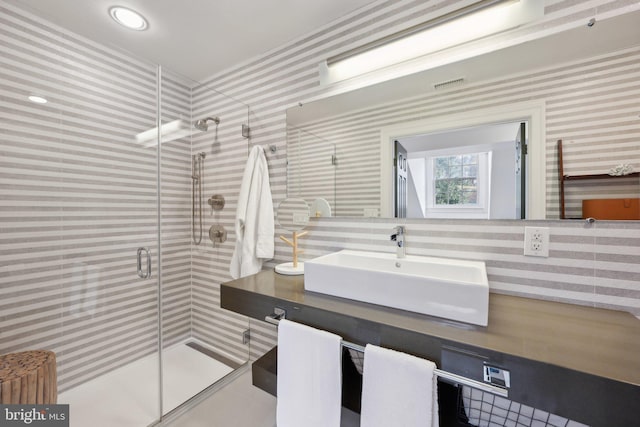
x=562, y=178
x=599, y=176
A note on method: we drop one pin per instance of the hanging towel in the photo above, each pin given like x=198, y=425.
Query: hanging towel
x=254, y=226
x=309, y=377
x=398, y=390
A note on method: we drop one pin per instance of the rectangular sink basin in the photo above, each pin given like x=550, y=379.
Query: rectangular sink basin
x=448, y=288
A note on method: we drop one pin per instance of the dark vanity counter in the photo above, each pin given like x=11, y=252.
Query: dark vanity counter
x=579, y=362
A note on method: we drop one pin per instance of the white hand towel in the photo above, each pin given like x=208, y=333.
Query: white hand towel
x=398, y=390
x=309, y=377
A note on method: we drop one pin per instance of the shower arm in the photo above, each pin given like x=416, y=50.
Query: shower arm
x=202, y=125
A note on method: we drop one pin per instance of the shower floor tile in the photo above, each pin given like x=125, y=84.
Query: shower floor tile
x=128, y=396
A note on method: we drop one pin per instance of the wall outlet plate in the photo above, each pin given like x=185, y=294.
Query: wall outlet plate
x=371, y=212
x=300, y=218
x=536, y=241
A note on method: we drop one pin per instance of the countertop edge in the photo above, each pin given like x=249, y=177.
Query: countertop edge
x=564, y=335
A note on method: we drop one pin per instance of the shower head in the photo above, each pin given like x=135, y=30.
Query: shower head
x=202, y=123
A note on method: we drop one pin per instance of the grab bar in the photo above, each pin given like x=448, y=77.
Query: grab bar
x=449, y=377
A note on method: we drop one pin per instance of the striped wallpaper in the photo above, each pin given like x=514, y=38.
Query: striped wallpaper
x=71, y=178
x=597, y=265
x=175, y=211
x=78, y=197
x=603, y=89
x=226, y=151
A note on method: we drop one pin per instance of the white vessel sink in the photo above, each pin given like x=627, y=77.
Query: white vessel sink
x=448, y=288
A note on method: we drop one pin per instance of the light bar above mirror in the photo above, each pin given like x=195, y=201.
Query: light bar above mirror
x=409, y=51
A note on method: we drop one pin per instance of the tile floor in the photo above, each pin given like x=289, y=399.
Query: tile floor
x=237, y=404
x=240, y=404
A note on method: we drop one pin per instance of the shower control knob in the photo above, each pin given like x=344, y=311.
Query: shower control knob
x=217, y=234
x=216, y=202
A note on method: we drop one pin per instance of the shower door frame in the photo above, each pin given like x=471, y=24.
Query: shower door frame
x=159, y=241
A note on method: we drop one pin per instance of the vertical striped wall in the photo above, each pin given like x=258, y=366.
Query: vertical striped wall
x=593, y=266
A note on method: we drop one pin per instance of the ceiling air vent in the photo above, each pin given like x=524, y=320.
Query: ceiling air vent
x=448, y=83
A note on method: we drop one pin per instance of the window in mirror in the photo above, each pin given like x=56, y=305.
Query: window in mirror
x=456, y=184
x=455, y=180
x=468, y=172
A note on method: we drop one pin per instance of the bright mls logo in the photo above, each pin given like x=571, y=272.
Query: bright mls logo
x=34, y=415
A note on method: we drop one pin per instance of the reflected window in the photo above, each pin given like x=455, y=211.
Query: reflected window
x=457, y=184
x=456, y=180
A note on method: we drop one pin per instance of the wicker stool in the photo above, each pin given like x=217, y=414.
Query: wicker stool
x=28, y=377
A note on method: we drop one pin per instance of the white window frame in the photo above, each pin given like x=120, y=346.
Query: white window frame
x=477, y=210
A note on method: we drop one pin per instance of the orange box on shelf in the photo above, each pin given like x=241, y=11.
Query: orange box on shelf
x=619, y=209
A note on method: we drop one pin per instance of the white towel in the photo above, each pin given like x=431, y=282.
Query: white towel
x=254, y=225
x=309, y=377
x=398, y=390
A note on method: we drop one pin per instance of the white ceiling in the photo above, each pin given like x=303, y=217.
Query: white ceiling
x=197, y=38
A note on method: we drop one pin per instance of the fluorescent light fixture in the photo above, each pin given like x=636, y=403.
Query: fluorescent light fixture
x=482, y=19
x=168, y=132
x=128, y=18
x=37, y=99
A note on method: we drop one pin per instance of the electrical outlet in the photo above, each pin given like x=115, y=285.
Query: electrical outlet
x=536, y=241
x=300, y=218
x=371, y=212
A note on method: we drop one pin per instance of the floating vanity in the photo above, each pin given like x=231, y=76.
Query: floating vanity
x=578, y=362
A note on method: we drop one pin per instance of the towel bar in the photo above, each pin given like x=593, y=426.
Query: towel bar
x=449, y=377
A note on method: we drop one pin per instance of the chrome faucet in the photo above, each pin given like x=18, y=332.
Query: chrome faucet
x=398, y=237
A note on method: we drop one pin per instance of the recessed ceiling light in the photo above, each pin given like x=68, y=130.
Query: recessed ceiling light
x=128, y=18
x=37, y=99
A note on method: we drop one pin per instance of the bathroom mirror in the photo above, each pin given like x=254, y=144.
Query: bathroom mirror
x=575, y=85
x=293, y=214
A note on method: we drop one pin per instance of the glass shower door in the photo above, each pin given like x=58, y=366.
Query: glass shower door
x=85, y=189
x=79, y=190
x=109, y=193
x=87, y=196
x=201, y=343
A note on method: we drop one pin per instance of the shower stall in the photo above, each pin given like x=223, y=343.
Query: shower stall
x=99, y=260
